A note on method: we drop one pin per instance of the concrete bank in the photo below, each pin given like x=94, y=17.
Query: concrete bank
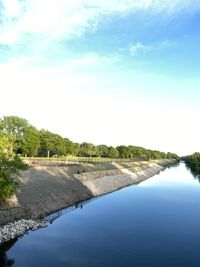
x=127, y=175
x=44, y=190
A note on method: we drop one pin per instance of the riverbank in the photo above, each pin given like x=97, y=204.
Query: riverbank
x=19, y=228
x=44, y=190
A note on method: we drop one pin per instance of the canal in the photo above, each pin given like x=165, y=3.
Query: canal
x=155, y=223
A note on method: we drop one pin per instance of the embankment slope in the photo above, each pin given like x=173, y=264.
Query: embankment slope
x=44, y=190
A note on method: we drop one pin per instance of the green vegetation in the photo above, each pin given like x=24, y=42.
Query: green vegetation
x=26, y=140
x=23, y=137
x=193, y=161
x=18, y=139
x=9, y=169
x=10, y=164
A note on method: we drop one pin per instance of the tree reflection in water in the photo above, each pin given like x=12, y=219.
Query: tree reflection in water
x=195, y=173
x=4, y=260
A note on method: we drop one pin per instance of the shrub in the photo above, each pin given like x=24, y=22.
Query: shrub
x=9, y=169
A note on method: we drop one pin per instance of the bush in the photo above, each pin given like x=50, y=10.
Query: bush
x=9, y=169
x=7, y=189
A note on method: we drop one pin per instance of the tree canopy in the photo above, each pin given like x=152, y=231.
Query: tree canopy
x=19, y=138
x=24, y=139
x=10, y=165
x=193, y=161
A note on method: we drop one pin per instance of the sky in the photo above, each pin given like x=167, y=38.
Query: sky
x=117, y=72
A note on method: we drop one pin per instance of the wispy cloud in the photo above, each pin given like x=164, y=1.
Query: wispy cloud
x=68, y=19
x=137, y=48
x=140, y=48
x=92, y=60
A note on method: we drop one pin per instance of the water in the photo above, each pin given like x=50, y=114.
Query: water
x=156, y=223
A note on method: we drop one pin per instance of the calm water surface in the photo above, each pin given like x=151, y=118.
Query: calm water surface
x=156, y=223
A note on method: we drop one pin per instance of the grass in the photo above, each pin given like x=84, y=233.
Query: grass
x=76, y=159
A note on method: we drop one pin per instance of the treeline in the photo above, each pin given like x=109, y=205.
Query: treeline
x=193, y=161
x=26, y=140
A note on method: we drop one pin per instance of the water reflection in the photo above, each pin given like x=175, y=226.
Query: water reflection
x=52, y=217
x=4, y=260
x=178, y=176
x=195, y=174
x=137, y=226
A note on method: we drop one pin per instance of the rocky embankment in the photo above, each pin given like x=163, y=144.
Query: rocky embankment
x=16, y=229
x=44, y=190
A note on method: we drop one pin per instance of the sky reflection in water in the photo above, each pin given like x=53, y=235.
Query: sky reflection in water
x=153, y=224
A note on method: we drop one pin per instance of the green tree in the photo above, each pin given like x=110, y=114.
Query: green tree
x=51, y=144
x=102, y=151
x=23, y=137
x=13, y=127
x=112, y=152
x=46, y=143
x=10, y=165
x=76, y=149
x=59, y=145
x=125, y=152
x=193, y=161
x=88, y=150
x=170, y=155
x=30, y=142
x=9, y=169
x=70, y=147
x=5, y=146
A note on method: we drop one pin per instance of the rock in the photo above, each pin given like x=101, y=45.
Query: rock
x=16, y=229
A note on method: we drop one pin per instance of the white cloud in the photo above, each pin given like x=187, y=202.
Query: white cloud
x=12, y=8
x=54, y=19
x=67, y=101
x=92, y=60
x=138, y=48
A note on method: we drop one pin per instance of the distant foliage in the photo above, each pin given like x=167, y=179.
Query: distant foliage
x=193, y=162
x=26, y=140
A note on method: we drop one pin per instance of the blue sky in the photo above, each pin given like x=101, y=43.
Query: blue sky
x=113, y=72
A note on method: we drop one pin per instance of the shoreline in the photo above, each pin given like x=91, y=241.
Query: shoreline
x=16, y=229
x=45, y=191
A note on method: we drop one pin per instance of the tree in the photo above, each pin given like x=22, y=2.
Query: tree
x=10, y=165
x=30, y=142
x=123, y=151
x=193, y=161
x=51, y=144
x=46, y=143
x=172, y=156
x=70, y=147
x=5, y=146
x=23, y=137
x=88, y=150
x=112, y=152
x=76, y=149
x=13, y=127
x=59, y=145
x=102, y=151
